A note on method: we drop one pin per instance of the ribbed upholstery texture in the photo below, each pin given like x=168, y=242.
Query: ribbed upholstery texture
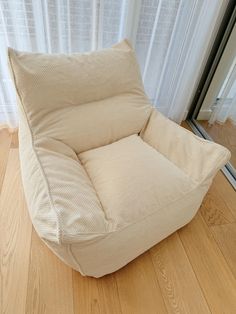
x=106, y=176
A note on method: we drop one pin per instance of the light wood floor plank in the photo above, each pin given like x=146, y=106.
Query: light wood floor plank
x=225, y=237
x=50, y=288
x=215, y=209
x=138, y=288
x=14, y=140
x=15, y=235
x=95, y=296
x=226, y=191
x=5, y=143
x=210, y=267
x=178, y=283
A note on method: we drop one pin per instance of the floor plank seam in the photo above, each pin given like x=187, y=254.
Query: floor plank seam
x=220, y=224
x=117, y=288
x=220, y=255
x=73, y=296
x=28, y=279
x=200, y=286
x=212, y=236
x=222, y=251
x=157, y=281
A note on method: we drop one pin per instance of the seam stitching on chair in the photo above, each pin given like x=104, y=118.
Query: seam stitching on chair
x=36, y=155
x=93, y=187
x=75, y=259
x=143, y=218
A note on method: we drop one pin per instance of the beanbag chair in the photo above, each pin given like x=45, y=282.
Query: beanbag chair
x=106, y=176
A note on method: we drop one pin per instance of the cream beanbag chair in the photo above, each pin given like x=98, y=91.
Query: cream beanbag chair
x=106, y=176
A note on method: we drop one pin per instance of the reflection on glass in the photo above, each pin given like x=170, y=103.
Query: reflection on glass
x=221, y=123
x=225, y=106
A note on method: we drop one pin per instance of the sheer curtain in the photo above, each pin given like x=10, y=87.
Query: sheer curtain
x=171, y=38
x=225, y=106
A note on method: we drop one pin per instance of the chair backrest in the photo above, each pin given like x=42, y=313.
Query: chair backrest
x=85, y=100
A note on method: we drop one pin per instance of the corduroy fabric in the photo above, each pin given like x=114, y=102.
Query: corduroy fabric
x=133, y=180
x=105, y=175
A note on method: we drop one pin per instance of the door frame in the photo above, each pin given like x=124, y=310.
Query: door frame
x=225, y=29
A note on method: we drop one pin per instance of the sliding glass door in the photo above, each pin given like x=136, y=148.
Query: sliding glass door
x=213, y=115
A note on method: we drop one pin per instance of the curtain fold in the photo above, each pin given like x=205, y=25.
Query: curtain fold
x=171, y=39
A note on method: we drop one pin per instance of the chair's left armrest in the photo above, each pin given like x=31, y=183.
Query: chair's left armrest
x=198, y=158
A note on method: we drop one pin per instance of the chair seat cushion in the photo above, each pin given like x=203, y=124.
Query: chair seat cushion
x=133, y=180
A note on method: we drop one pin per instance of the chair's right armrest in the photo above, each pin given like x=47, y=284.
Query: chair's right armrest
x=198, y=158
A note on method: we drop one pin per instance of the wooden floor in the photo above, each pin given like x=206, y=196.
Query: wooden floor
x=224, y=134
x=192, y=271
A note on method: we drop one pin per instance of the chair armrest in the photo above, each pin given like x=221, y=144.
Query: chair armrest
x=62, y=201
x=198, y=158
